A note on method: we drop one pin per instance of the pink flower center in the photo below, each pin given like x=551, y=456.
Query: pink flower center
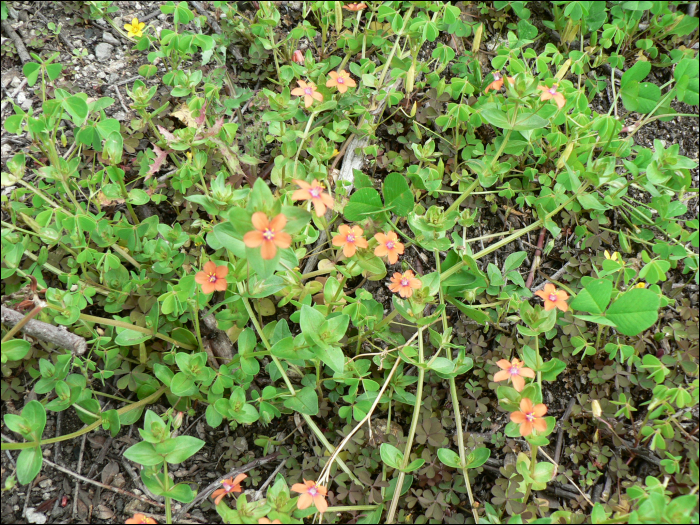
x=227, y=487
x=553, y=297
x=496, y=75
x=404, y=282
x=315, y=192
x=514, y=371
x=530, y=417
x=340, y=80
x=553, y=90
x=268, y=234
x=350, y=237
x=390, y=245
x=313, y=491
x=212, y=278
x=308, y=91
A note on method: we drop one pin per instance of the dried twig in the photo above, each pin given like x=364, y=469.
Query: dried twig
x=537, y=258
x=21, y=49
x=560, y=434
x=46, y=332
x=554, y=277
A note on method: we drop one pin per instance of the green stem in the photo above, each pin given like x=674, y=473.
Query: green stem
x=463, y=196
x=539, y=361
x=291, y=389
x=503, y=242
x=533, y=462
x=460, y=445
x=31, y=444
x=411, y=431
x=168, y=509
x=301, y=144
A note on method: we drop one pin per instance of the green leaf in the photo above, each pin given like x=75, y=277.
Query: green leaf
x=305, y=401
x=637, y=72
x=143, y=453
x=528, y=122
x=449, y=457
x=600, y=319
x=478, y=457
x=77, y=108
x=655, y=271
x=634, y=311
x=311, y=322
x=397, y=194
x=15, y=349
x=442, y=365
x=363, y=204
x=333, y=357
x=180, y=492
x=31, y=71
x=595, y=297
x=129, y=337
x=29, y=464
x=185, y=447
x=495, y=117
x=413, y=465
x=513, y=261
x=391, y=456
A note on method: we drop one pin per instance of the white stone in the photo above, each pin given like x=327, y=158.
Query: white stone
x=103, y=51
x=110, y=39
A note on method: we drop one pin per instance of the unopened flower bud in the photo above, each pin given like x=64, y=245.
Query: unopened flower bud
x=298, y=57
x=595, y=407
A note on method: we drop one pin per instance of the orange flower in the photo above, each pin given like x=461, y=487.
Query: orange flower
x=350, y=239
x=140, y=518
x=552, y=93
x=514, y=371
x=269, y=234
x=229, y=485
x=389, y=245
x=308, y=91
x=497, y=82
x=355, y=7
x=212, y=278
x=311, y=492
x=267, y=521
x=298, y=57
x=404, y=284
x=314, y=193
x=530, y=417
x=341, y=80
x=553, y=298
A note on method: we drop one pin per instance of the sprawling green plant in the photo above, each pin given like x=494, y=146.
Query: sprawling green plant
x=255, y=289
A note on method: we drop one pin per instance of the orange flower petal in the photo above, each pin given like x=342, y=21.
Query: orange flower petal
x=268, y=250
x=201, y=278
x=540, y=424
x=221, y=271
x=253, y=239
x=503, y=364
x=301, y=195
x=349, y=249
x=320, y=503
x=260, y=221
x=518, y=383
x=208, y=287
x=381, y=250
x=539, y=410
x=282, y=240
x=518, y=417
x=501, y=376
x=209, y=267
x=526, y=429
x=525, y=405
x=278, y=223
x=527, y=372
x=305, y=501
x=220, y=285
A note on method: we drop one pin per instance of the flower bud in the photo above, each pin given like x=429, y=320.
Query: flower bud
x=298, y=57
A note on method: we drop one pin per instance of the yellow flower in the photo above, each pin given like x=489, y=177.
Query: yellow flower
x=614, y=257
x=135, y=28
x=640, y=285
x=336, y=152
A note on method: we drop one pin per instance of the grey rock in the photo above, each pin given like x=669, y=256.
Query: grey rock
x=103, y=51
x=110, y=39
